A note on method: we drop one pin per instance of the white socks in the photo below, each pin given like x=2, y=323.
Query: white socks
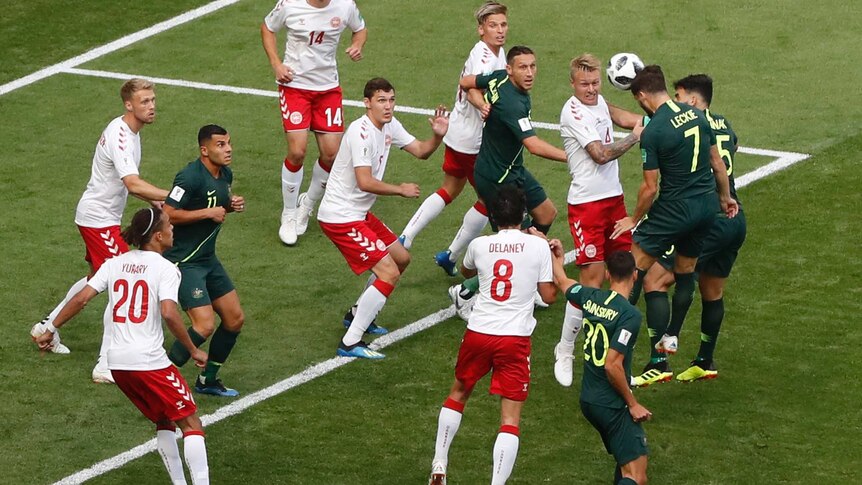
x=572, y=323
x=195, y=450
x=471, y=228
x=78, y=286
x=170, y=452
x=290, y=182
x=505, y=452
x=369, y=304
x=447, y=426
x=431, y=207
x=319, y=177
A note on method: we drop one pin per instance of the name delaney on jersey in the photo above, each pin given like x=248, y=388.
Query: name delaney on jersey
x=506, y=247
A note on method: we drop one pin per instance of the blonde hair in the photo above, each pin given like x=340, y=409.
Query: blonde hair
x=584, y=62
x=134, y=85
x=490, y=8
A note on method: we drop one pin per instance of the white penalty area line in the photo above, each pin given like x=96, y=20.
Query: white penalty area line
x=115, y=45
x=781, y=159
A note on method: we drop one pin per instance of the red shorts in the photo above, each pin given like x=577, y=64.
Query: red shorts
x=363, y=243
x=319, y=110
x=592, y=224
x=459, y=164
x=507, y=356
x=161, y=395
x=102, y=243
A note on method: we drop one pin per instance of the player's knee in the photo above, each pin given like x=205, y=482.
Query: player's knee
x=403, y=261
x=235, y=322
x=388, y=271
x=296, y=154
x=326, y=159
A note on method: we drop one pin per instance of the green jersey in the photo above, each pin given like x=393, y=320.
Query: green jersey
x=196, y=188
x=501, y=155
x=677, y=141
x=726, y=141
x=611, y=322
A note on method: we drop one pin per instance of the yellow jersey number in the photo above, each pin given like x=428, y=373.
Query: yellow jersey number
x=594, y=331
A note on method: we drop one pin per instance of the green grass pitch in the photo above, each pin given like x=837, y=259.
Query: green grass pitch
x=784, y=409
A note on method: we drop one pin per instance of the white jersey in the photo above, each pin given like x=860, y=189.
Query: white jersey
x=465, y=121
x=312, y=39
x=118, y=154
x=363, y=145
x=511, y=264
x=581, y=125
x=138, y=281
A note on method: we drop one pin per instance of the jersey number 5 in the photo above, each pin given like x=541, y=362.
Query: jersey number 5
x=128, y=303
x=502, y=280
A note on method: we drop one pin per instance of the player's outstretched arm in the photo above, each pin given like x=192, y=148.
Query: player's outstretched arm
x=541, y=148
x=646, y=195
x=367, y=183
x=617, y=378
x=422, y=149
x=624, y=118
x=283, y=74
x=468, y=82
x=142, y=189
x=72, y=308
x=558, y=255
x=174, y=322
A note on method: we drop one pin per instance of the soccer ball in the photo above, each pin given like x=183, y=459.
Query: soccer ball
x=622, y=69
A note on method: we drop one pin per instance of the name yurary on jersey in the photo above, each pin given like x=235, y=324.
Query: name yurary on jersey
x=134, y=268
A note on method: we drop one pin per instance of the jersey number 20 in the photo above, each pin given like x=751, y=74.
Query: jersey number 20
x=133, y=305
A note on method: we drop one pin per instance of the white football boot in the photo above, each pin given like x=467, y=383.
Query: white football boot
x=304, y=208
x=463, y=308
x=563, y=364
x=287, y=231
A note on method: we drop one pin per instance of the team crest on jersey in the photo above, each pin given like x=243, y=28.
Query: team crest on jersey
x=381, y=246
x=590, y=251
x=335, y=22
x=388, y=140
x=296, y=117
x=197, y=293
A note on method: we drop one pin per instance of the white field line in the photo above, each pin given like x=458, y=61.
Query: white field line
x=783, y=160
x=115, y=45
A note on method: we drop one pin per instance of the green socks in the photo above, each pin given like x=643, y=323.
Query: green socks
x=683, y=295
x=178, y=353
x=710, y=324
x=636, y=289
x=657, y=316
x=220, y=347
